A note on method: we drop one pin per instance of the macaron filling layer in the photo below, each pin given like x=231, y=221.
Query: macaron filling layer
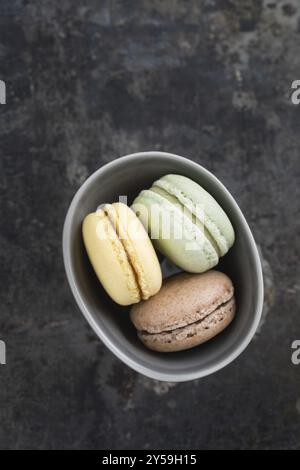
x=190, y=239
x=124, y=259
x=196, y=315
x=194, y=333
x=210, y=224
x=203, y=317
x=128, y=246
x=191, y=214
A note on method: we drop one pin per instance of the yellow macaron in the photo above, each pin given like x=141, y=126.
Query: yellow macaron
x=121, y=254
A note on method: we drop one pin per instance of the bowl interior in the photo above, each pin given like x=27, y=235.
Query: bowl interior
x=126, y=177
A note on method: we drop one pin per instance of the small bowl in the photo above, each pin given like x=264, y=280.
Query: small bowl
x=128, y=176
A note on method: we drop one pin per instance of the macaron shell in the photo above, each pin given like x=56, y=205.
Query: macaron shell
x=192, y=195
x=191, y=335
x=138, y=247
x=189, y=248
x=109, y=259
x=183, y=299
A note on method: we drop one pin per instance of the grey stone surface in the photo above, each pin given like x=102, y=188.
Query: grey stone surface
x=89, y=81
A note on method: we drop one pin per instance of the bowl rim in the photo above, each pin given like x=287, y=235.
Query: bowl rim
x=129, y=361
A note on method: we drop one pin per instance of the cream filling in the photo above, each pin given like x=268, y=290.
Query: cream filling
x=183, y=328
x=181, y=220
x=118, y=248
x=128, y=246
x=210, y=224
x=200, y=224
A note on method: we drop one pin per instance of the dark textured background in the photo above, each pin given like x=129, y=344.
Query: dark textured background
x=91, y=80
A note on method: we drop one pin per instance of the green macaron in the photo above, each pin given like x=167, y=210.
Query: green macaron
x=185, y=222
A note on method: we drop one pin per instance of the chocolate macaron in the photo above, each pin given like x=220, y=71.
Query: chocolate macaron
x=187, y=311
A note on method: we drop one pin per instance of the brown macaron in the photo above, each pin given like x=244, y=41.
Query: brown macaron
x=190, y=309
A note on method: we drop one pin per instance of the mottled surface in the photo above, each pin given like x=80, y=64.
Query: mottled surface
x=92, y=80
